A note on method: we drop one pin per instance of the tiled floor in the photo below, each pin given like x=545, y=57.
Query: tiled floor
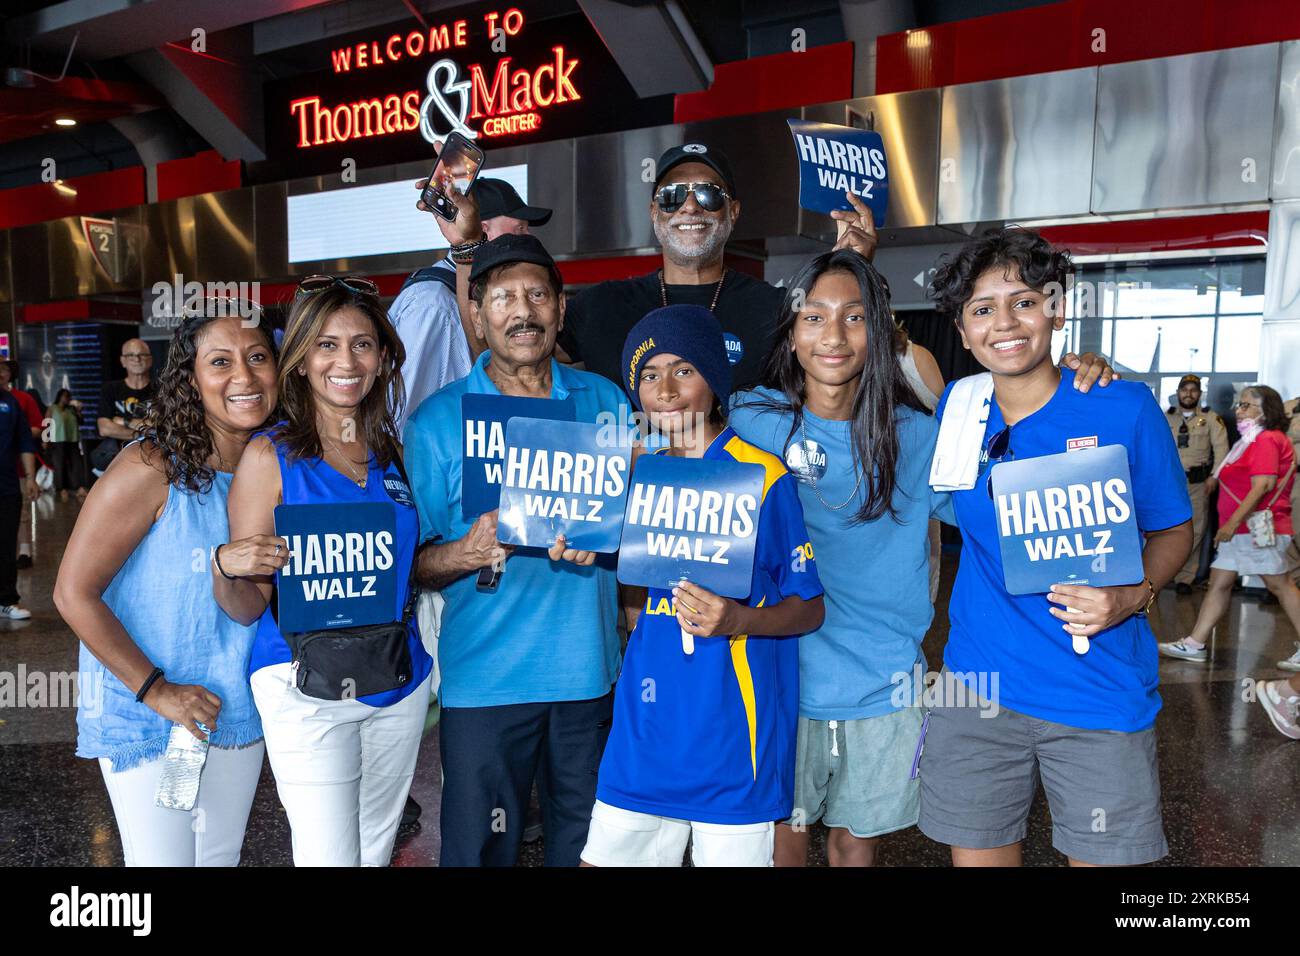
x=1230, y=781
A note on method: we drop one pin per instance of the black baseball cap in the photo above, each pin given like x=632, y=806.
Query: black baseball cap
x=496, y=197
x=1190, y=380
x=508, y=249
x=715, y=159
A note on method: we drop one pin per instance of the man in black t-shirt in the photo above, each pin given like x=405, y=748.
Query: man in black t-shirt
x=123, y=405
x=694, y=209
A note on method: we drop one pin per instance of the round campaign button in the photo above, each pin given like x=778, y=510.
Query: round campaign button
x=806, y=459
x=735, y=347
x=398, y=490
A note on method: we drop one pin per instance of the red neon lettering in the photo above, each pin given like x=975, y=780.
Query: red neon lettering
x=459, y=29
x=415, y=48
x=392, y=113
x=394, y=41
x=342, y=113
x=562, y=83
x=372, y=112
x=538, y=98
x=521, y=97
x=301, y=105
x=361, y=56
x=485, y=100
x=411, y=109
x=491, y=19
x=515, y=16
x=505, y=125
x=438, y=38
x=342, y=59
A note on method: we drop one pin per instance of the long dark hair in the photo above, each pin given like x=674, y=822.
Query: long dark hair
x=177, y=424
x=376, y=415
x=1272, y=407
x=881, y=389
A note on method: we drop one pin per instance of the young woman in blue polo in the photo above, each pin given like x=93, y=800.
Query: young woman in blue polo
x=707, y=754
x=1083, y=723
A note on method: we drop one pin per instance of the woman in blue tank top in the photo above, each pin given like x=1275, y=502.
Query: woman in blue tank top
x=343, y=767
x=156, y=650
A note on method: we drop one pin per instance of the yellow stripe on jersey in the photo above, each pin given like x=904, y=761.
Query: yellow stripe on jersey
x=745, y=679
x=743, y=451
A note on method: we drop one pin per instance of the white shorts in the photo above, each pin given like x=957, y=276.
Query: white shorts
x=621, y=837
x=1241, y=555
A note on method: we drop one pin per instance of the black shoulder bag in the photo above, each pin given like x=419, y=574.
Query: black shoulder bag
x=344, y=663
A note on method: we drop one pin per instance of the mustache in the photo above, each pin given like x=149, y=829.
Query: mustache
x=525, y=326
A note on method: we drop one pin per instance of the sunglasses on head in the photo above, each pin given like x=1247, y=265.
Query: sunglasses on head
x=709, y=196
x=220, y=306
x=354, y=284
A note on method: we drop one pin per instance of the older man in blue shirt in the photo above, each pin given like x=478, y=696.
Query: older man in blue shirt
x=527, y=670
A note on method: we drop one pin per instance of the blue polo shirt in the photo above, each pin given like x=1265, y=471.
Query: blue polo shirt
x=1113, y=686
x=549, y=632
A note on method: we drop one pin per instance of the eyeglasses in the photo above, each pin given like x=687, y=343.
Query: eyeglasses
x=354, y=284
x=709, y=196
x=998, y=449
x=220, y=307
x=1247, y=405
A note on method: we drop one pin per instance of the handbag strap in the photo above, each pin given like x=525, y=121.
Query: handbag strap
x=412, y=585
x=1277, y=494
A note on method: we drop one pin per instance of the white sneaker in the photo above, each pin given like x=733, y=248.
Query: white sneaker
x=1292, y=663
x=1183, y=652
x=12, y=612
x=1283, y=711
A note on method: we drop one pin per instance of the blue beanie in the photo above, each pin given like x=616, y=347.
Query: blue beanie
x=691, y=332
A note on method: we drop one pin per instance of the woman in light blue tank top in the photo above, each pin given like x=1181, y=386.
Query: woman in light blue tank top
x=134, y=585
x=343, y=764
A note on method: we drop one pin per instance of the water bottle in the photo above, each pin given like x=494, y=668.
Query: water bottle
x=178, y=787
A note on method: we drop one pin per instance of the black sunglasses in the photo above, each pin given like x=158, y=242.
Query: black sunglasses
x=998, y=449
x=354, y=284
x=709, y=196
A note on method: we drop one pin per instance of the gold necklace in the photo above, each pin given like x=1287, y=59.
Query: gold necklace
x=360, y=481
x=663, y=290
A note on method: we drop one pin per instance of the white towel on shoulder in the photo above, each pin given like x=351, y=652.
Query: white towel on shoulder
x=956, y=462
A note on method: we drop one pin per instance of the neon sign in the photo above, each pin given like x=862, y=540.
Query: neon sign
x=498, y=100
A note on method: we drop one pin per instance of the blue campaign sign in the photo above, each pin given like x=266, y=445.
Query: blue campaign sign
x=483, y=431
x=693, y=519
x=341, y=569
x=838, y=159
x=1067, y=519
x=562, y=478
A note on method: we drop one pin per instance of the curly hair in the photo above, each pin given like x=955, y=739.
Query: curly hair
x=378, y=411
x=177, y=424
x=1033, y=257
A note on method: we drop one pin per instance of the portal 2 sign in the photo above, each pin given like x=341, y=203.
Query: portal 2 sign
x=102, y=238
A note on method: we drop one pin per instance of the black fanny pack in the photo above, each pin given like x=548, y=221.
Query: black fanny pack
x=344, y=663
x=1198, y=474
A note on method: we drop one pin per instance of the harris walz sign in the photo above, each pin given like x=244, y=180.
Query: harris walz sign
x=492, y=74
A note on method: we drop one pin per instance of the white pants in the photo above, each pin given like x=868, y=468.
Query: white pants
x=621, y=837
x=209, y=835
x=342, y=768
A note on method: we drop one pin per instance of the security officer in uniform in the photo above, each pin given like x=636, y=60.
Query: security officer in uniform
x=1202, y=442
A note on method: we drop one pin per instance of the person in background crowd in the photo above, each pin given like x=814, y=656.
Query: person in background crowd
x=1086, y=726
x=64, y=445
x=1293, y=433
x=694, y=208
x=1256, y=475
x=343, y=767
x=153, y=640
x=526, y=669
x=1202, y=443
x=17, y=480
x=123, y=405
x=426, y=314
x=709, y=757
x=32, y=409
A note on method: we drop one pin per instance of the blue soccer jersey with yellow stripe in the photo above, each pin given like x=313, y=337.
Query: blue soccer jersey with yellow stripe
x=710, y=736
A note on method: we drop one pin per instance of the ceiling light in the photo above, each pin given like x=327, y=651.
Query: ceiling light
x=65, y=121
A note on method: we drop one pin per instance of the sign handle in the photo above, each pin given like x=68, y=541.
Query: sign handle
x=1081, y=644
x=688, y=642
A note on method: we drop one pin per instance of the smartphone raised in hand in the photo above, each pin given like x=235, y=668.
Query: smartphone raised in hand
x=458, y=166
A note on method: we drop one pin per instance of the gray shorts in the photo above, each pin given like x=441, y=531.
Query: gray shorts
x=979, y=776
x=857, y=774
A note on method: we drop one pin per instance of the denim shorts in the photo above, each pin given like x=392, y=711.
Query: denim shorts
x=979, y=775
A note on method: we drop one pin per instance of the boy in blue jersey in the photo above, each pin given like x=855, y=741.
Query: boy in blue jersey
x=1083, y=723
x=702, y=746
